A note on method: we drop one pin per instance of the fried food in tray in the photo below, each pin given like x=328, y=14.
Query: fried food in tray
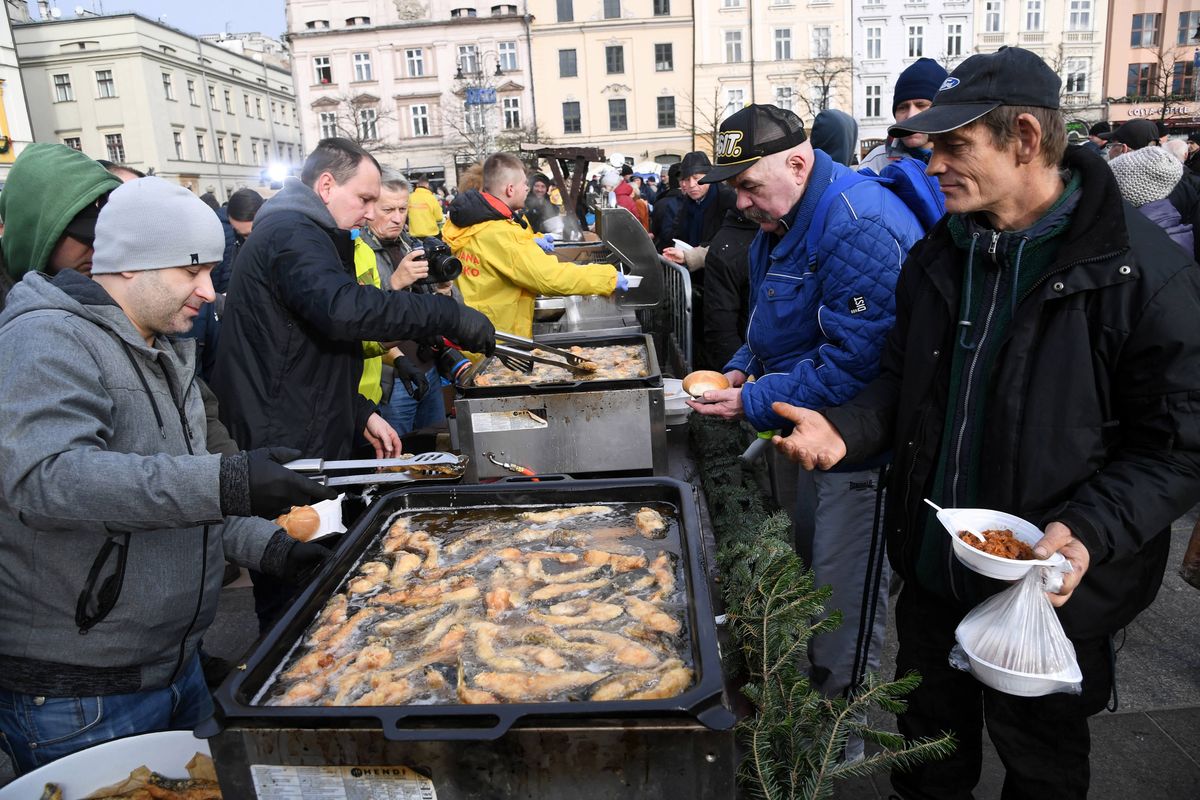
x=145, y=784
x=500, y=605
x=612, y=362
x=1002, y=543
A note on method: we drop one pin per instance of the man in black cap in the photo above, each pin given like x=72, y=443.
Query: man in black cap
x=1132, y=135
x=1193, y=157
x=823, y=268
x=1028, y=372
x=701, y=213
x=1095, y=141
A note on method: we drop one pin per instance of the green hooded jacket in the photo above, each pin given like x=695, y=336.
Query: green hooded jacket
x=48, y=185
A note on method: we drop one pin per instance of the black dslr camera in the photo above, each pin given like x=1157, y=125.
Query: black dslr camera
x=443, y=266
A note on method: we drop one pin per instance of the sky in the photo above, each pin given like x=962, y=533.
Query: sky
x=196, y=17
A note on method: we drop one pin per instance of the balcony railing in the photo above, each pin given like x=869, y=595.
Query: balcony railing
x=1077, y=37
x=1032, y=37
x=992, y=38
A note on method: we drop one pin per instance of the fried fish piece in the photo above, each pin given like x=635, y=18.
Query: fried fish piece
x=553, y=590
x=664, y=572
x=537, y=573
x=403, y=568
x=650, y=523
x=518, y=686
x=620, y=649
x=407, y=622
x=652, y=616
x=619, y=562
x=672, y=683
x=577, y=612
x=559, y=514
x=371, y=574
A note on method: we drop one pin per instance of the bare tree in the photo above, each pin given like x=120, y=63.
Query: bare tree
x=824, y=76
x=706, y=121
x=369, y=130
x=510, y=141
x=1155, y=80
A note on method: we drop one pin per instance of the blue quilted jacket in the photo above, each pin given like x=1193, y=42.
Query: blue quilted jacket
x=815, y=337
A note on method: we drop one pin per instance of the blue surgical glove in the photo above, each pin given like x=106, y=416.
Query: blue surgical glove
x=545, y=242
x=622, y=281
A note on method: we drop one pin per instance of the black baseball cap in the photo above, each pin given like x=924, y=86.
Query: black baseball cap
x=1011, y=76
x=1135, y=134
x=751, y=133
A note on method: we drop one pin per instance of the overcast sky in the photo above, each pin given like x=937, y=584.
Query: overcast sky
x=196, y=17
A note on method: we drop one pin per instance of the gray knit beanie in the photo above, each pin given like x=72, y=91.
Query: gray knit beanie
x=150, y=223
x=1145, y=175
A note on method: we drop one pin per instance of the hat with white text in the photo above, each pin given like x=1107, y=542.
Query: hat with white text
x=1011, y=76
x=751, y=133
x=150, y=223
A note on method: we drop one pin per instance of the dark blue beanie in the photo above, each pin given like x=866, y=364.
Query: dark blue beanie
x=920, y=81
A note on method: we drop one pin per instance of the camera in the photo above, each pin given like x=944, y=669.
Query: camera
x=443, y=265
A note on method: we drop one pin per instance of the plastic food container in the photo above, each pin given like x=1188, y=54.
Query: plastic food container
x=979, y=520
x=1021, y=684
x=675, y=401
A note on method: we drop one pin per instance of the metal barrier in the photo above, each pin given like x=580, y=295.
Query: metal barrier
x=671, y=322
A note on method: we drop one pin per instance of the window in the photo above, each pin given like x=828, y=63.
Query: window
x=1183, y=78
x=228, y=101
x=783, y=44
x=200, y=147
x=820, y=42
x=212, y=98
x=662, y=8
x=463, y=13
x=874, y=41
x=1076, y=72
x=254, y=152
x=666, y=112
x=352, y=21
x=62, y=89
x=993, y=16
x=954, y=37
x=1189, y=24
x=617, y=118
x=1141, y=80
x=246, y=101
x=731, y=3
x=237, y=155
x=415, y=61
x=191, y=86
x=366, y=124
x=1145, y=30
x=420, y=120
x=916, y=41
x=614, y=59
x=874, y=95
x=327, y=120
x=322, y=71
x=733, y=47
x=115, y=147
x=512, y=112
x=785, y=97
x=1033, y=15
x=475, y=117
x=572, y=122
x=568, y=64
x=664, y=57
x=168, y=86
x=508, y=56
x=274, y=116
x=734, y=100
x=221, y=149
x=74, y=143
x=317, y=25
x=104, y=84
x=566, y=11
x=468, y=58
x=362, y=67
x=612, y=9
x=177, y=140
x=1080, y=18
x=258, y=107
x=503, y=9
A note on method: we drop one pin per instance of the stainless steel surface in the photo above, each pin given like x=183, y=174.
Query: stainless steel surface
x=578, y=433
x=320, y=465
x=602, y=761
x=634, y=250
x=549, y=309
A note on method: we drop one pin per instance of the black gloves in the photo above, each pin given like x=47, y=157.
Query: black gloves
x=257, y=484
x=474, y=331
x=413, y=378
x=302, y=559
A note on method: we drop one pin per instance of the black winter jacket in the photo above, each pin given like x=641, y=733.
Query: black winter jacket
x=290, y=356
x=727, y=290
x=1094, y=404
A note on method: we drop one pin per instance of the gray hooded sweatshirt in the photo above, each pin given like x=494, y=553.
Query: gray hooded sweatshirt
x=106, y=494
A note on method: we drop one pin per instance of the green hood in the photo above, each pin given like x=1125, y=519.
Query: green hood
x=48, y=185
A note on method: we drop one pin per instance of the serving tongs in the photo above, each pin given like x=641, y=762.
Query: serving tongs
x=516, y=353
x=421, y=460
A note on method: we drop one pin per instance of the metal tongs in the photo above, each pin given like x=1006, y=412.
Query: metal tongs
x=421, y=460
x=516, y=353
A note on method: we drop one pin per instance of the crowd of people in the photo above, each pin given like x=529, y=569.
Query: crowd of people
x=1015, y=336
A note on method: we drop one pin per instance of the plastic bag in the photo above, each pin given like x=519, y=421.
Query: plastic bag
x=1014, y=643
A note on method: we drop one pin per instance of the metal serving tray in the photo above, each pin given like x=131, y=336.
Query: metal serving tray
x=701, y=703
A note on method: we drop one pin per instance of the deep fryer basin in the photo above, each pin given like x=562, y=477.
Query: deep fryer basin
x=702, y=701
x=467, y=388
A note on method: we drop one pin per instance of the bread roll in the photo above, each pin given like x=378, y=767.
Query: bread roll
x=704, y=380
x=301, y=523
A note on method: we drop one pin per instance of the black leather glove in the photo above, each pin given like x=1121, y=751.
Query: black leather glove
x=303, y=559
x=474, y=331
x=413, y=378
x=268, y=488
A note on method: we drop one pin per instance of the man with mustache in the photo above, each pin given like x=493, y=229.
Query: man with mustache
x=823, y=268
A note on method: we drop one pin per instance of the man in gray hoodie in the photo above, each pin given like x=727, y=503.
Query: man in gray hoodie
x=114, y=519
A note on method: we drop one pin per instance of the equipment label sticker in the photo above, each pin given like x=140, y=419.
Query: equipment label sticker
x=340, y=783
x=521, y=420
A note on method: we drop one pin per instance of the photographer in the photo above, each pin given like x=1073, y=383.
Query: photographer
x=407, y=390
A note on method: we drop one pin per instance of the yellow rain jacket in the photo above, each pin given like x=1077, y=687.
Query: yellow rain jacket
x=367, y=272
x=424, y=213
x=504, y=270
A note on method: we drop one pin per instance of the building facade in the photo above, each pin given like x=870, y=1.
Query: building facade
x=136, y=92
x=16, y=129
x=1070, y=35
x=426, y=87
x=795, y=54
x=1154, y=50
x=615, y=74
x=889, y=35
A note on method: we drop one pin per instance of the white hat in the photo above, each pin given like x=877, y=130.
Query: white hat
x=150, y=223
x=1145, y=175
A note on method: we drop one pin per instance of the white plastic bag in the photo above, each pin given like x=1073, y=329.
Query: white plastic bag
x=1014, y=643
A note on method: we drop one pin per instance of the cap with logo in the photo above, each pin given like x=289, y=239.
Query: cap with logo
x=751, y=133
x=1135, y=134
x=1011, y=76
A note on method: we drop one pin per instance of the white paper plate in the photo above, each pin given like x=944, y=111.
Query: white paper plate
x=634, y=281
x=330, y=512
x=82, y=773
x=982, y=519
